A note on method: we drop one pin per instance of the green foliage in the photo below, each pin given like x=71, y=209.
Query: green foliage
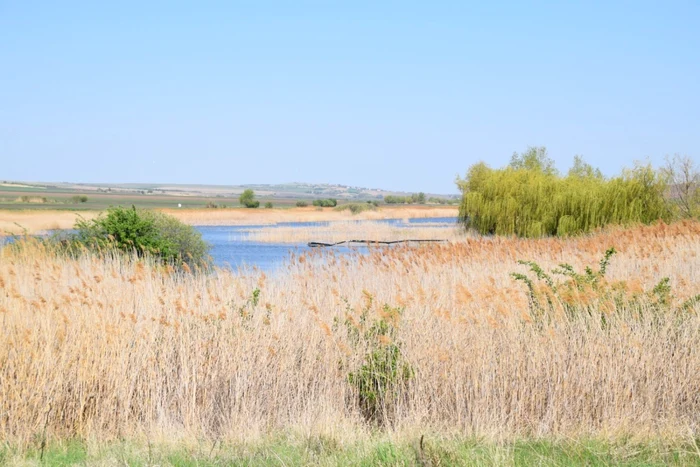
x=383, y=376
x=302, y=204
x=435, y=200
x=357, y=208
x=79, y=199
x=268, y=205
x=391, y=199
x=529, y=199
x=248, y=200
x=535, y=159
x=376, y=449
x=325, y=203
x=415, y=198
x=143, y=232
x=590, y=294
x=418, y=198
x=582, y=169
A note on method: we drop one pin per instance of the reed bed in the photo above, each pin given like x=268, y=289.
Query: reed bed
x=357, y=230
x=34, y=221
x=307, y=214
x=120, y=348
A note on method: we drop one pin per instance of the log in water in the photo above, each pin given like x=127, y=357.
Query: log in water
x=373, y=242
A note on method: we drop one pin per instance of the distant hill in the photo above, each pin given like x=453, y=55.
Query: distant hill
x=99, y=196
x=294, y=190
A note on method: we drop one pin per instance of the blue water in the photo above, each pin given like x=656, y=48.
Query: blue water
x=230, y=247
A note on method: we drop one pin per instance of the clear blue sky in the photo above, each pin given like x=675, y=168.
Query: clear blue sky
x=393, y=94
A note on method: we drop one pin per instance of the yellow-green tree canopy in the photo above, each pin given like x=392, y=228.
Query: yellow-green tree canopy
x=529, y=198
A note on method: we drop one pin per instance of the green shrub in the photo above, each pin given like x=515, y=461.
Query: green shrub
x=415, y=198
x=589, y=293
x=357, y=208
x=144, y=232
x=530, y=199
x=391, y=199
x=325, y=203
x=79, y=199
x=248, y=200
x=268, y=205
x=383, y=377
x=302, y=204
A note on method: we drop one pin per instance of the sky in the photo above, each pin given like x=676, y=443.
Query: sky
x=398, y=95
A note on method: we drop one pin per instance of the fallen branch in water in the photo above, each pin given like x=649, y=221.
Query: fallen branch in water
x=374, y=242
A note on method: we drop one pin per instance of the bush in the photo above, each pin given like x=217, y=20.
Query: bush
x=530, y=199
x=325, y=203
x=391, y=199
x=247, y=199
x=382, y=379
x=145, y=232
x=589, y=293
x=302, y=204
x=356, y=208
x=79, y=199
x=415, y=198
x=268, y=205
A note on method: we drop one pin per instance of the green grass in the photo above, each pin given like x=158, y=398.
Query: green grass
x=320, y=450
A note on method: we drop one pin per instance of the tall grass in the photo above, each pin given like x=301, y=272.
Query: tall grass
x=114, y=348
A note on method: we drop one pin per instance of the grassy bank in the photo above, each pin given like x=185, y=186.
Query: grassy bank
x=368, y=451
x=439, y=339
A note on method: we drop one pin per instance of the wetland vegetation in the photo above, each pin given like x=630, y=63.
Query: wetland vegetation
x=572, y=345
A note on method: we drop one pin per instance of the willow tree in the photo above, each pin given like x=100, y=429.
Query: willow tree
x=529, y=198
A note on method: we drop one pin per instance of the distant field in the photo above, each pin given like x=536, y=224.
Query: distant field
x=36, y=198
x=60, y=196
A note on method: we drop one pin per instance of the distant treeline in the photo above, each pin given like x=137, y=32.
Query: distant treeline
x=418, y=198
x=326, y=203
x=529, y=198
x=415, y=198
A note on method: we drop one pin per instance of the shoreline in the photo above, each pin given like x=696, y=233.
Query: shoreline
x=34, y=221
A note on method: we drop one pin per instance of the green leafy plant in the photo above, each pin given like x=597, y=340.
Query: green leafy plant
x=325, y=203
x=246, y=311
x=589, y=293
x=356, y=208
x=268, y=205
x=144, y=232
x=383, y=377
x=248, y=200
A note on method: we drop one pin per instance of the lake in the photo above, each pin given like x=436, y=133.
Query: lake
x=231, y=248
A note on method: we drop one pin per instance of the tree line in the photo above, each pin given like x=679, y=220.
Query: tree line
x=530, y=198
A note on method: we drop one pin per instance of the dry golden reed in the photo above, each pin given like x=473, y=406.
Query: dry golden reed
x=339, y=231
x=33, y=221
x=117, y=347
